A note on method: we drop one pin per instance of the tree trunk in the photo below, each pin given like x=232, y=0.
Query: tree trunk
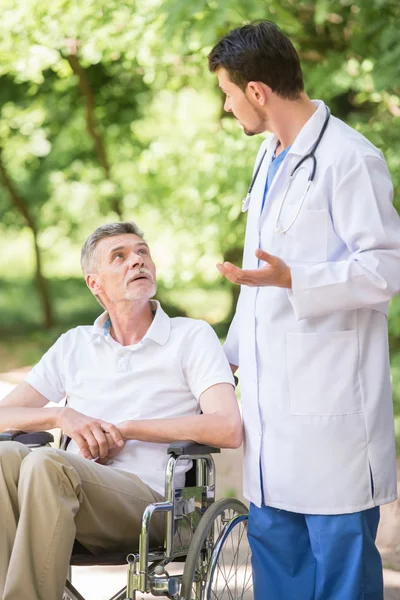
x=43, y=286
x=40, y=280
x=91, y=125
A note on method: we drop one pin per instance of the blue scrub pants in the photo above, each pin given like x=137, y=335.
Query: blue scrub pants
x=314, y=557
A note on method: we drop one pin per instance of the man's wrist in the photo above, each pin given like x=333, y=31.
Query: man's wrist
x=58, y=414
x=125, y=429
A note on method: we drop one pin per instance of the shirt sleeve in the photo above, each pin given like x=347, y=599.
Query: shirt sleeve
x=204, y=361
x=365, y=219
x=47, y=376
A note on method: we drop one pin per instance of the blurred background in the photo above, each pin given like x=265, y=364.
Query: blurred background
x=108, y=112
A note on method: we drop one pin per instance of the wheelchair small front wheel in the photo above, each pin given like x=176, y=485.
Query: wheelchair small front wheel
x=218, y=547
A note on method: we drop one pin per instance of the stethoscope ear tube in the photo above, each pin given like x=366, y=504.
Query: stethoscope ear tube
x=246, y=200
x=311, y=176
x=314, y=167
x=311, y=155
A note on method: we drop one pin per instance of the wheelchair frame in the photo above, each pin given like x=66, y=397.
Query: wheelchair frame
x=184, y=508
x=177, y=535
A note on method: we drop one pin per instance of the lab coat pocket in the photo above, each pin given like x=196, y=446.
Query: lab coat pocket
x=322, y=370
x=307, y=238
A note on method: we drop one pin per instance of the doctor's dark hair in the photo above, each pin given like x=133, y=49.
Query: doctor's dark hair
x=259, y=52
x=88, y=258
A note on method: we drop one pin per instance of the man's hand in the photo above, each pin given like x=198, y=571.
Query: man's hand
x=113, y=450
x=94, y=437
x=275, y=273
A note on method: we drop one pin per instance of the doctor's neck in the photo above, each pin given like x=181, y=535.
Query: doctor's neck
x=286, y=118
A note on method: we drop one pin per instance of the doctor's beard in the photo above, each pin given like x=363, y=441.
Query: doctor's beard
x=257, y=129
x=259, y=119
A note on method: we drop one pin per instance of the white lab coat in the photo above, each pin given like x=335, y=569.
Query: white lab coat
x=314, y=360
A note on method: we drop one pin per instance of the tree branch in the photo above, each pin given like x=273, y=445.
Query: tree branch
x=16, y=199
x=89, y=98
x=23, y=209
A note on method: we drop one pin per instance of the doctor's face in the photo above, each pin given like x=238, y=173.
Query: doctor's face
x=241, y=104
x=124, y=270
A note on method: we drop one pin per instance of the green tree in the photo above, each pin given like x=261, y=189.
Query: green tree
x=108, y=110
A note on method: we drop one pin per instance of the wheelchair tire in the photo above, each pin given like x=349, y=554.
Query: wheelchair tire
x=201, y=549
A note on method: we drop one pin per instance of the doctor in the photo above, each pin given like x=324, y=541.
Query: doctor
x=321, y=261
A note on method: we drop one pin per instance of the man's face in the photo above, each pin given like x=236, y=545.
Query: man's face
x=124, y=269
x=237, y=101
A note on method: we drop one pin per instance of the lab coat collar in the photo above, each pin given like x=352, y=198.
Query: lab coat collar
x=308, y=134
x=158, y=331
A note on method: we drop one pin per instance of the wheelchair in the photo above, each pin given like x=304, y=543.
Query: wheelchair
x=205, y=539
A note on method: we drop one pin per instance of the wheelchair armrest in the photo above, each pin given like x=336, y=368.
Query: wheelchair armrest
x=37, y=438
x=191, y=448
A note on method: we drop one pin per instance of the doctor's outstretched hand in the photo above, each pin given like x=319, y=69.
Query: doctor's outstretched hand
x=275, y=272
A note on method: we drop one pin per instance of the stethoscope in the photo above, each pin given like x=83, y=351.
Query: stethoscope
x=292, y=177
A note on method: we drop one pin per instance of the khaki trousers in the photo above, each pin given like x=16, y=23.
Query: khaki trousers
x=50, y=497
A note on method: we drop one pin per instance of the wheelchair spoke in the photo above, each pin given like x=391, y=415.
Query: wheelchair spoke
x=232, y=579
x=244, y=588
x=218, y=574
x=234, y=564
x=235, y=554
x=227, y=581
x=249, y=585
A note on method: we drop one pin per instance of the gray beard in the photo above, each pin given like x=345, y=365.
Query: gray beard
x=145, y=294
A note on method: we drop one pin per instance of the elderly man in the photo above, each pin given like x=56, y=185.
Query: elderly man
x=134, y=381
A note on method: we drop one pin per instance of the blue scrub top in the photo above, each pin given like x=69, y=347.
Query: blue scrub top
x=273, y=168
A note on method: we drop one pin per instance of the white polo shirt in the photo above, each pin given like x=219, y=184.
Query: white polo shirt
x=163, y=376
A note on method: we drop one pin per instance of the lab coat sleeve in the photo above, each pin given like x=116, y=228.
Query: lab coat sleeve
x=231, y=345
x=365, y=219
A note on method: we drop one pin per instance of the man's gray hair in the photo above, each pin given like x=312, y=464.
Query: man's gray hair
x=88, y=261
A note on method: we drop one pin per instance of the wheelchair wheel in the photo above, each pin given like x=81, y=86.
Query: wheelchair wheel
x=215, y=553
x=229, y=573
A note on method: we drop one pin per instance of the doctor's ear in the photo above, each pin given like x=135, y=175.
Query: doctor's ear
x=257, y=92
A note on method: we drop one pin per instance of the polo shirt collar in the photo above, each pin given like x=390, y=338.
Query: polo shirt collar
x=159, y=330
x=308, y=134
x=101, y=326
